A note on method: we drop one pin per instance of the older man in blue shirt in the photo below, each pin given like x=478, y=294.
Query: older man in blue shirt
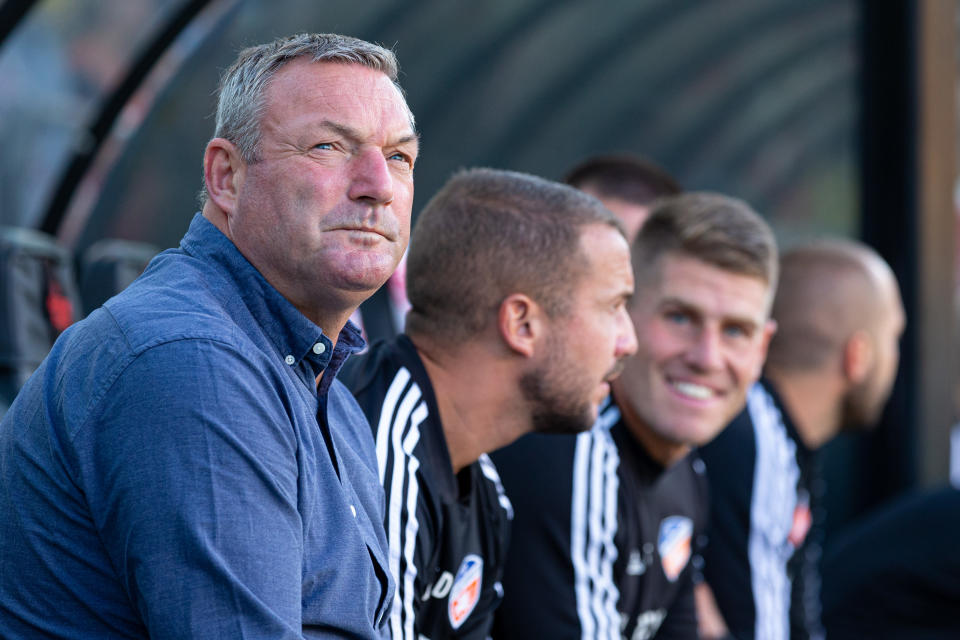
x=184, y=464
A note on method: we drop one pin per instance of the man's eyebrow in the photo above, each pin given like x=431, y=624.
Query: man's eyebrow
x=412, y=137
x=342, y=129
x=676, y=301
x=686, y=305
x=745, y=321
x=354, y=135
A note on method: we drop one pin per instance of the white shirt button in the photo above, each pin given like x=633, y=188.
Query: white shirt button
x=289, y=359
x=319, y=348
x=353, y=510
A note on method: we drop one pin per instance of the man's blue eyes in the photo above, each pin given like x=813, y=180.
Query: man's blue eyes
x=328, y=146
x=682, y=318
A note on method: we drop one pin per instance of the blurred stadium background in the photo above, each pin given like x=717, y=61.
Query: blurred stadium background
x=829, y=116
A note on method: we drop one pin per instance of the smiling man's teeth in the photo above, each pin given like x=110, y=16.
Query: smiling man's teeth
x=693, y=390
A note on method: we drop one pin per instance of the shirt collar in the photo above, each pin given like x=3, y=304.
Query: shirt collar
x=295, y=337
x=788, y=423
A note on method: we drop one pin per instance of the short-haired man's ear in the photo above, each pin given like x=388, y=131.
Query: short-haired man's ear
x=520, y=322
x=858, y=356
x=768, y=330
x=223, y=171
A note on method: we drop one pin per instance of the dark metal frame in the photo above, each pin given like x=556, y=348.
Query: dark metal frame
x=112, y=106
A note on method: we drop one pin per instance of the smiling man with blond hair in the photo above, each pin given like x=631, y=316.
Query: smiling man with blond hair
x=607, y=521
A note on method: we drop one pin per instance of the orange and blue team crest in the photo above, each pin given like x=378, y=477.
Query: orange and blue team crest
x=674, y=544
x=466, y=590
x=802, y=521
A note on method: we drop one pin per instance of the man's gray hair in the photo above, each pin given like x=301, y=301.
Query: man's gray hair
x=242, y=93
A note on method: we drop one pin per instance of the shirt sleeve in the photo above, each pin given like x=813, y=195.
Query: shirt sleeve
x=558, y=580
x=192, y=483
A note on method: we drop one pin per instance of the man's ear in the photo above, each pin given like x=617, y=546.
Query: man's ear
x=767, y=332
x=223, y=171
x=858, y=356
x=521, y=323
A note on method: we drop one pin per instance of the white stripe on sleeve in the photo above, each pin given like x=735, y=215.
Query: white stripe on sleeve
x=386, y=414
x=593, y=526
x=413, y=525
x=490, y=472
x=772, y=504
x=401, y=492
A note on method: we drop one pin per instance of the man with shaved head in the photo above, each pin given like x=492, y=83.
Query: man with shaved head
x=830, y=367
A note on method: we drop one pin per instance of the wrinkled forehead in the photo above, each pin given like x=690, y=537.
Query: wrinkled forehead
x=303, y=84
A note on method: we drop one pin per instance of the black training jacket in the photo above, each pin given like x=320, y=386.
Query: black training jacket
x=604, y=537
x=447, y=533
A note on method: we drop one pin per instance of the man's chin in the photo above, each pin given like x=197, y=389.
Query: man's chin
x=565, y=423
x=363, y=284
x=361, y=270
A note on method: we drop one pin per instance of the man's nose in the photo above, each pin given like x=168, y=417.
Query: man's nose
x=371, y=179
x=626, y=336
x=706, y=352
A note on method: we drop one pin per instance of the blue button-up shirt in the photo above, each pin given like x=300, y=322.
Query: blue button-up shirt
x=165, y=472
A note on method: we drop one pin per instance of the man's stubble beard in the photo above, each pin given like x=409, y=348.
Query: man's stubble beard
x=861, y=408
x=551, y=390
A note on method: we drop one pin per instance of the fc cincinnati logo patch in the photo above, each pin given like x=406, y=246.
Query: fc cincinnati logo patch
x=466, y=590
x=802, y=520
x=673, y=543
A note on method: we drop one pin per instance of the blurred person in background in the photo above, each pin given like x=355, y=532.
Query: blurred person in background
x=607, y=521
x=831, y=366
x=518, y=323
x=626, y=184
x=184, y=463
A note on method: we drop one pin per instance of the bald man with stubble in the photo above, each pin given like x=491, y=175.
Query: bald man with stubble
x=830, y=368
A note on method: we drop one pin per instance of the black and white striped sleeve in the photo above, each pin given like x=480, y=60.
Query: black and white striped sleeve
x=559, y=579
x=593, y=525
x=397, y=435
x=772, y=506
